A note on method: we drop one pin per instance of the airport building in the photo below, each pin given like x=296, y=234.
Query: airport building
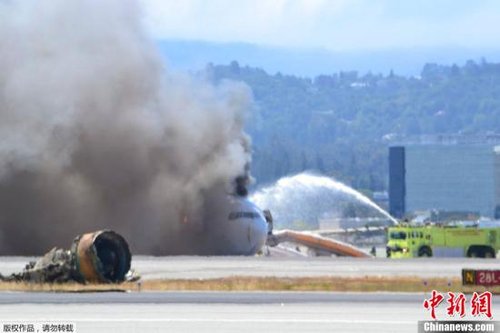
x=453, y=177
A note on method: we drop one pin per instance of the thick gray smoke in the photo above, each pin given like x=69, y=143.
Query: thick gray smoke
x=94, y=133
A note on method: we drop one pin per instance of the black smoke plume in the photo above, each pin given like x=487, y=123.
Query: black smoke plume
x=96, y=133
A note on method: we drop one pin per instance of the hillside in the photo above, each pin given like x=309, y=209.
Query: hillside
x=341, y=124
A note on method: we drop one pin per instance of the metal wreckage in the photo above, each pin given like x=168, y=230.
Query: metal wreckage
x=104, y=256
x=98, y=257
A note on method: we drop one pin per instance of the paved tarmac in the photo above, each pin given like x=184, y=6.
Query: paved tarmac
x=221, y=311
x=192, y=267
x=217, y=311
x=213, y=267
x=237, y=311
x=202, y=297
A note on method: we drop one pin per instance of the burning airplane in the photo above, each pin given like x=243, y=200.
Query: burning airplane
x=98, y=134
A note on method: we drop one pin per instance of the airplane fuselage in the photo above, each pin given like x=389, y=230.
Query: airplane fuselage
x=243, y=229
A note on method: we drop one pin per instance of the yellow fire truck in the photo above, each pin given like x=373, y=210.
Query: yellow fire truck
x=407, y=241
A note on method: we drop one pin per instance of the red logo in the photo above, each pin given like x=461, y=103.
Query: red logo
x=480, y=304
x=456, y=304
x=433, y=302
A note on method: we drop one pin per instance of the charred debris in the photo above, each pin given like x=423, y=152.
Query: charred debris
x=99, y=257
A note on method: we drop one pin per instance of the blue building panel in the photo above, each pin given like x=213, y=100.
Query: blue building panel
x=397, y=181
x=445, y=177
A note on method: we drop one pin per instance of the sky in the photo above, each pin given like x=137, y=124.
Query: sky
x=336, y=25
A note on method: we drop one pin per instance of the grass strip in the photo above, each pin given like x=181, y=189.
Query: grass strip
x=245, y=283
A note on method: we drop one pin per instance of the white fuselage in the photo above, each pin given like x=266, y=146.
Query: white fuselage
x=243, y=230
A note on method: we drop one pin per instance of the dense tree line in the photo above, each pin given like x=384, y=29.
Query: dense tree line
x=341, y=124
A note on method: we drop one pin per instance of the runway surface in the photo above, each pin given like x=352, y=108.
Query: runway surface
x=222, y=311
x=240, y=311
x=192, y=267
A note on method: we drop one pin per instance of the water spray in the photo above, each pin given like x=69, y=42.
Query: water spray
x=305, y=196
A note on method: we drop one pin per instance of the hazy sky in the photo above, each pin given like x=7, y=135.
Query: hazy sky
x=331, y=24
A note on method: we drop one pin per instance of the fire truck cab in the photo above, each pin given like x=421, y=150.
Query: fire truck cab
x=452, y=240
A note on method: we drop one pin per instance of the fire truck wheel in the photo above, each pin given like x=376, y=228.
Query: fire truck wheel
x=424, y=251
x=489, y=254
